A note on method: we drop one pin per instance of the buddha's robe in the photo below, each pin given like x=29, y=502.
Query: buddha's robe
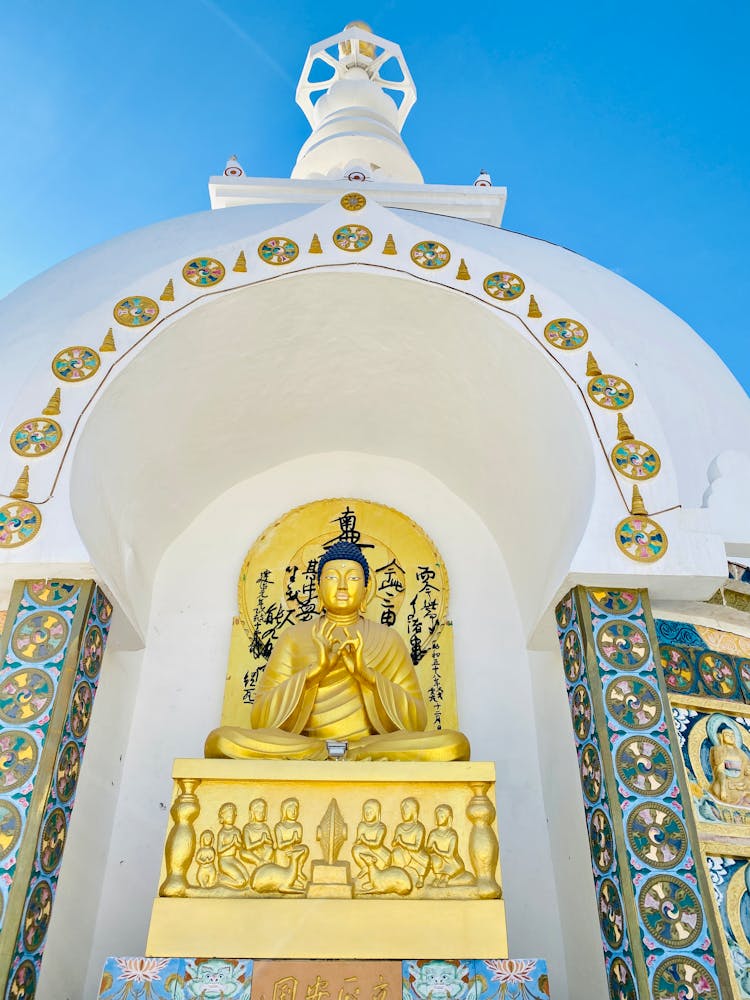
x=293, y=715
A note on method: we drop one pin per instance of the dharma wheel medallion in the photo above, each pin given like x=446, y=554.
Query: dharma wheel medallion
x=601, y=840
x=718, y=675
x=610, y=391
x=18, y=758
x=354, y=201
x=352, y=238
x=203, y=272
x=591, y=772
x=10, y=828
x=679, y=976
x=633, y=703
x=75, y=364
x=430, y=254
x=641, y=538
x=136, y=310
x=504, y=285
x=278, y=250
x=621, y=983
x=635, y=459
x=671, y=911
x=20, y=521
x=25, y=695
x=36, y=437
x=51, y=592
x=657, y=835
x=644, y=766
x=611, y=917
x=566, y=334
x=52, y=840
x=614, y=602
x=68, y=768
x=678, y=671
x=39, y=637
x=623, y=645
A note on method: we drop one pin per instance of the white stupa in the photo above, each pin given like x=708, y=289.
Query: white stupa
x=353, y=331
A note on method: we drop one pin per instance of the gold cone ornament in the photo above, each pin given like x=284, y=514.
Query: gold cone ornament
x=52, y=408
x=592, y=368
x=534, y=311
x=315, y=246
x=108, y=344
x=390, y=245
x=241, y=263
x=463, y=271
x=21, y=490
x=168, y=294
x=637, y=505
x=624, y=433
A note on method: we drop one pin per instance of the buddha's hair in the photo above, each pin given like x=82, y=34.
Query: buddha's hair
x=345, y=550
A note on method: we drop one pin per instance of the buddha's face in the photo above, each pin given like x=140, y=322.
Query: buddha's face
x=370, y=811
x=258, y=810
x=291, y=809
x=443, y=815
x=409, y=810
x=227, y=813
x=342, y=586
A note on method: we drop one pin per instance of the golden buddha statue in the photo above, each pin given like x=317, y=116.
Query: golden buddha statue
x=340, y=677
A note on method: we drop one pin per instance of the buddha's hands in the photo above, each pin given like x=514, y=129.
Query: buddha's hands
x=352, y=656
x=328, y=649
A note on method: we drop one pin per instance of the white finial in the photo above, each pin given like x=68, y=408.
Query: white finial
x=484, y=180
x=355, y=121
x=233, y=167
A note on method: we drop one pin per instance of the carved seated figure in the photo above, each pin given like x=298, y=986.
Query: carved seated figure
x=339, y=677
x=731, y=770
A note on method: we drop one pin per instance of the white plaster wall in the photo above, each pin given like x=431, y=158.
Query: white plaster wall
x=181, y=686
x=568, y=837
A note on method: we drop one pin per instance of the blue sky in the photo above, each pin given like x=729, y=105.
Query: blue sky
x=620, y=130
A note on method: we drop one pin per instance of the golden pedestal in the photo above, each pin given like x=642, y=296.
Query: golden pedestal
x=407, y=861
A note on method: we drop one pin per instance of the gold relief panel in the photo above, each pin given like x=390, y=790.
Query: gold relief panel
x=332, y=830
x=407, y=591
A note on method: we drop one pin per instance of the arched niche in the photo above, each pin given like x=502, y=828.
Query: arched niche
x=333, y=361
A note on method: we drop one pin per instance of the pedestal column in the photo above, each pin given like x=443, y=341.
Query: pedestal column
x=659, y=934
x=51, y=652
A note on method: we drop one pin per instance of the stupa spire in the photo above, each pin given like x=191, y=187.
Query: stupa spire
x=356, y=123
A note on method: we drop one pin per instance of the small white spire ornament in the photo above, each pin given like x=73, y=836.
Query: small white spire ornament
x=233, y=167
x=484, y=180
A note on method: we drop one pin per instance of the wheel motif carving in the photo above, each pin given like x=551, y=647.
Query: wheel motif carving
x=18, y=759
x=75, y=364
x=40, y=636
x=601, y=840
x=572, y=656
x=430, y=254
x=678, y=670
x=744, y=668
x=80, y=712
x=23, y=984
x=621, y=983
x=20, y=521
x=633, y=703
x=685, y=978
x=203, y=272
x=566, y=334
x=36, y=437
x=564, y=611
x=36, y=918
x=670, y=911
x=636, y=459
x=352, y=238
x=278, y=250
x=610, y=913
x=610, y=391
x=641, y=538
x=354, y=201
x=657, y=835
x=136, y=310
x=615, y=602
x=504, y=285
x=623, y=645
x=93, y=649
x=52, y=840
x=103, y=608
x=25, y=695
x=52, y=592
x=644, y=766
x=581, y=711
x=591, y=772
x=68, y=769
x=718, y=675
x=10, y=828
